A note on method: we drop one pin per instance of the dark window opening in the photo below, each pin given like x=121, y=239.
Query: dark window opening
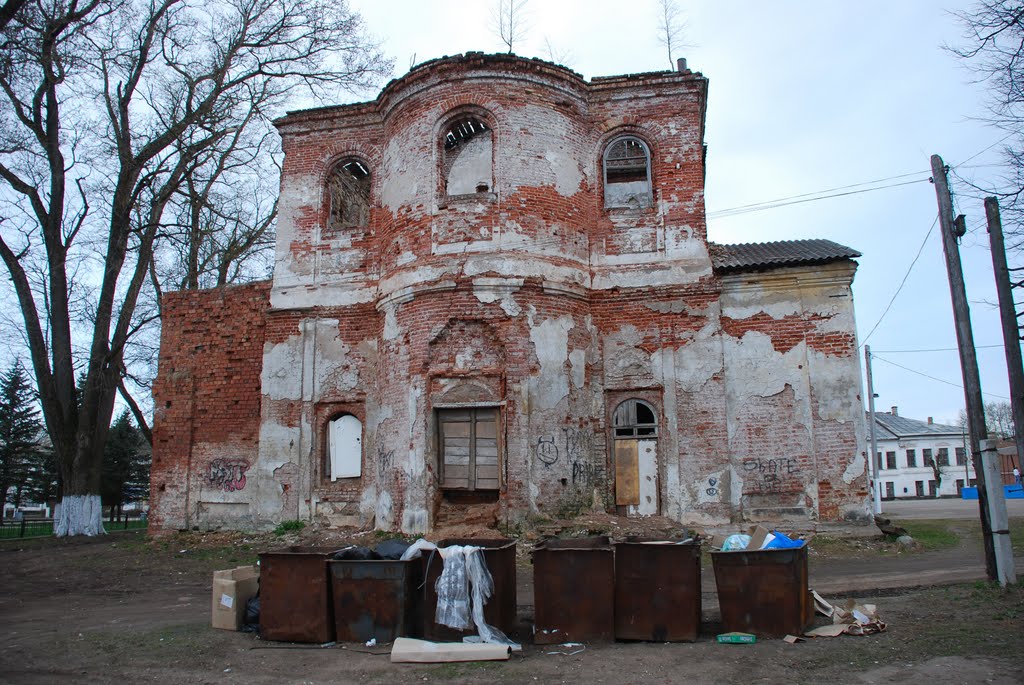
x=349, y=189
x=961, y=456
x=466, y=157
x=634, y=419
x=890, y=460
x=943, y=456
x=627, y=174
x=926, y=455
x=911, y=459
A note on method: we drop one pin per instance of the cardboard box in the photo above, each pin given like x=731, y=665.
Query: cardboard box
x=231, y=590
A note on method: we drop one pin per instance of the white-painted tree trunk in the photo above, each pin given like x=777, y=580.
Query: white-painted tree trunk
x=79, y=515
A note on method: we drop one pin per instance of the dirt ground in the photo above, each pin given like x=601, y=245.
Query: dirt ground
x=125, y=608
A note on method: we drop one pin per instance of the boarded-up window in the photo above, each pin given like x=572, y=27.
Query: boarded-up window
x=345, y=447
x=469, y=449
x=627, y=174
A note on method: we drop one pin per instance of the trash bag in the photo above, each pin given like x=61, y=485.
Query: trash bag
x=392, y=549
x=735, y=542
x=251, y=621
x=353, y=553
x=783, y=541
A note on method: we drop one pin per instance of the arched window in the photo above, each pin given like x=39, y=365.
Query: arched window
x=349, y=190
x=627, y=174
x=466, y=153
x=635, y=419
x=345, y=447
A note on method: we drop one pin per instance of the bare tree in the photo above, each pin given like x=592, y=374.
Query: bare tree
x=118, y=113
x=993, y=48
x=509, y=20
x=556, y=55
x=671, y=28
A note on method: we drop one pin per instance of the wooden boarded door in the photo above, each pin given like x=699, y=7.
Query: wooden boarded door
x=636, y=458
x=469, y=449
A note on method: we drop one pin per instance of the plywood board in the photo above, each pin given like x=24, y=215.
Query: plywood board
x=627, y=474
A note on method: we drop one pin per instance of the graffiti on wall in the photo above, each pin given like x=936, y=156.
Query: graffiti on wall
x=770, y=476
x=547, y=450
x=712, y=489
x=228, y=474
x=385, y=458
x=579, y=446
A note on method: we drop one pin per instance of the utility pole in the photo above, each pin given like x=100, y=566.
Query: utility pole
x=876, y=495
x=968, y=358
x=1008, y=316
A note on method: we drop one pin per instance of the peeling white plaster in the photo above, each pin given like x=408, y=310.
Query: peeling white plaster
x=385, y=512
x=490, y=290
x=280, y=378
x=391, y=328
x=855, y=469
x=652, y=273
x=566, y=172
x=836, y=384
x=406, y=258
x=756, y=369
x=704, y=486
x=415, y=466
x=551, y=344
x=578, y=367
x=414, y=521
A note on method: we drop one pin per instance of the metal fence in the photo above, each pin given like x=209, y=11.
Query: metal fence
x=38, y=527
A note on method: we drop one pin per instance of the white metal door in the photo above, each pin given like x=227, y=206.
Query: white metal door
x=346, y=447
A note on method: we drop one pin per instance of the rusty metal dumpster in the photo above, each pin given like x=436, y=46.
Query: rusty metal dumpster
x=500, y=611
x=573, y=590
x=657, y=590
x=764, y=591
x=295, y=595
x=375, y=599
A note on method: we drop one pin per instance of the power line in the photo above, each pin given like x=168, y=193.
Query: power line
x=904, y=281
x=938, y=380
x=785, y=202
x=939, y=349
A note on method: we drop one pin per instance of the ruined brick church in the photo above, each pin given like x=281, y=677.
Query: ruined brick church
x=493, y=285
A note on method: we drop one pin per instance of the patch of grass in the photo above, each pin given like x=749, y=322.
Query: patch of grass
x=289, y=526
x=937, y=534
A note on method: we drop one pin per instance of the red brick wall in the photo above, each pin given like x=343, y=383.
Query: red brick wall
x=206, y=398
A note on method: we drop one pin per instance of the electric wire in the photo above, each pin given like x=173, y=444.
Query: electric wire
x=903, y=282
x=938, y=380
x=784, y=202
x=934, y=349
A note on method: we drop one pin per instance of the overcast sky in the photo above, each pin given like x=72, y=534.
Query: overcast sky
x=803, y=97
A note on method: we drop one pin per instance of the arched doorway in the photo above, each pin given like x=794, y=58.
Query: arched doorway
x=635, y=434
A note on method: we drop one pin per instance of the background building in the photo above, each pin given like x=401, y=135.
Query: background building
x=920, y=458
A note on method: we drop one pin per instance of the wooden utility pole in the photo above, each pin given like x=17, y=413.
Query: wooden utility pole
x=1008, y=316
x=968, y=358
x=876, y=495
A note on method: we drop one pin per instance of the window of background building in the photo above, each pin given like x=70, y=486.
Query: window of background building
x=943, y=456
x=911, y=459
x=961, y=456
x=890, y=460
x=926, y=456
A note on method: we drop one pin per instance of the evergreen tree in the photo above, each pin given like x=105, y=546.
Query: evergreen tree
x=126, y=458
x=20, y=431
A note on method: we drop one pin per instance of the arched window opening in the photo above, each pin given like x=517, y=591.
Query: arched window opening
x=466, y=157
x=635, y=419
x=349, y=189
x=345, y=447
x=627, y=174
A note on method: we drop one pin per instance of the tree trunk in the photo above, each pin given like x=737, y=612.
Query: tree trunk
x=81, y=510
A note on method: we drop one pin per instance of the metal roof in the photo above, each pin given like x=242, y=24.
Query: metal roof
x=782, y=253
x=900, y=427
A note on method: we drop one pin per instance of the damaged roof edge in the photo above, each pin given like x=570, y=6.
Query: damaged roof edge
x=762, y=256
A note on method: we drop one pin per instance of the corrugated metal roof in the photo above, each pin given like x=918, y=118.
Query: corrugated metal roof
x=900, y=427
x=782, y=253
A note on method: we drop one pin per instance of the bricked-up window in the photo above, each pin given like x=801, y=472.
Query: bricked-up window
x=627, y=174
x=943, y=456
x=345, y=447
x=469, y=449
x=467, y=150
x=635, y=419
x=961, y=456
x=349, y=190
x=911, y=459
